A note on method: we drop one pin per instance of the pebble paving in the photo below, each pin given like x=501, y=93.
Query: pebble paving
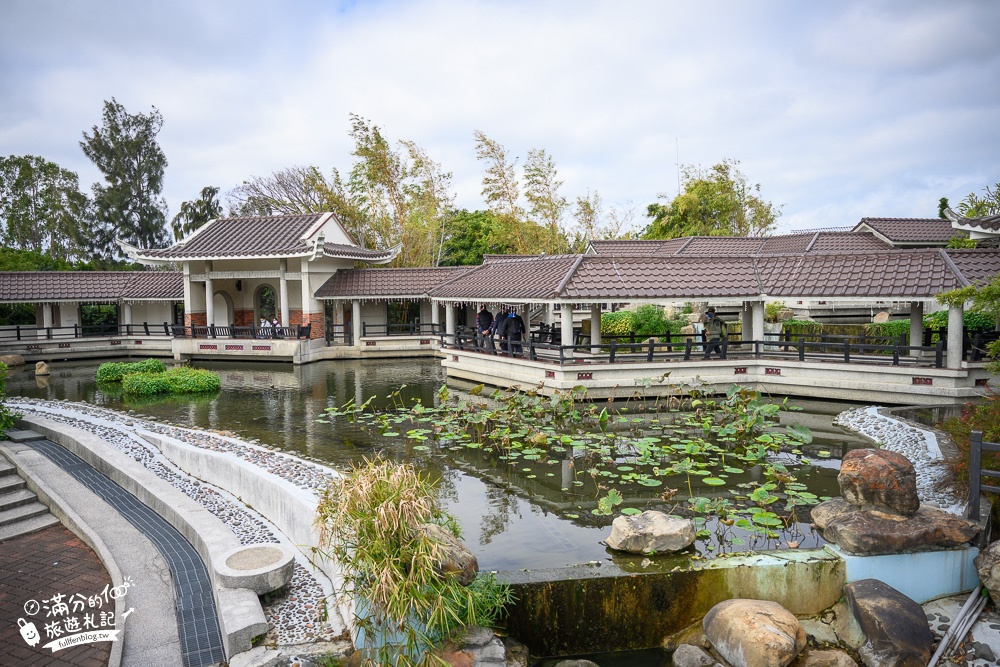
x=293, y=612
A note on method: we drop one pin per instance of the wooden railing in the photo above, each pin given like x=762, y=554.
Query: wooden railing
x=976, y=473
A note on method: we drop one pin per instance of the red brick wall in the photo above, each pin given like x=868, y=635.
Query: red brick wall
x=244, y=318
x=318, y=322
x=195, y=320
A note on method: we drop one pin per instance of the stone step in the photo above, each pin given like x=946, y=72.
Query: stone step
x=6, y=468
x=21, y=513
x=28, y=526
x=11, y=483
x=16, y=499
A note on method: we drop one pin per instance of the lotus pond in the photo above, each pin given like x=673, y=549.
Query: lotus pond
x=534, y=481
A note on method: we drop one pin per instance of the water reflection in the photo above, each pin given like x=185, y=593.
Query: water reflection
x=512, y=516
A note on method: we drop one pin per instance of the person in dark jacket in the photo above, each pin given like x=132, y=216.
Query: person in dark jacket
x=715, y=331
x=484, y=327
x=513, y=331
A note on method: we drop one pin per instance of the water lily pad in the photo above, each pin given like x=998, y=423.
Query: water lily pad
x=714, y=481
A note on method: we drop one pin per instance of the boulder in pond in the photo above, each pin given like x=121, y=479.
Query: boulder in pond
x=894, y=626
x=688, y=655
x=455, y=557
x=880, y=478
x=650, y=531
x=11, y=359
x=873, y=532
x=41, y=368
x=754, y=633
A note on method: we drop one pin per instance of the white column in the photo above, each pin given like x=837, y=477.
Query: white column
x=449, y=320
x=566, y=316
x=283, y=291
x=46, y=315
x=746, y=319
x=595, y=328
x=916, y=325
x=356, y=321
x=209, y=301
x=550, y=314
x=758, y=320
x=956, y=316
x=527, y=320
x=435, y=314
x=126, y=313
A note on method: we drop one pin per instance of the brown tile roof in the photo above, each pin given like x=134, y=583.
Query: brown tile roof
x=912, y=230
x=358, y=253
x=989, y=223
x=721, y=245
x=975, y=265
x=838, y=242
x=258, y=236
x=638, y=248
x=601, y=277
x=386, y=282
x=512, y=279
x=107, y=286
x=787, y=243
x=899, y=273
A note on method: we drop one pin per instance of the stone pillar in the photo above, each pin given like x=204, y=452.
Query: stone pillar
x=595, y=328
x=916, y=325
x=758, y=320
x=46, y=315
x=550, y=314
x=283, y=292
x=449, y=320
x=356, y=322
x=956, y=316
x=126, y=313
x=435, y=315
x=209, y=301
x=566, y=317
x=746, y=320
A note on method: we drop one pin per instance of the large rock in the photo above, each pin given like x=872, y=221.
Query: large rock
x=650, y=531
x=878, y=477
x=455, y=558
x=11, y=359
x=895, y=628
x=41, y=368
x=873, y=532
x=987, y=566
x=754, y=633
x=688, y=655
x=824, y=658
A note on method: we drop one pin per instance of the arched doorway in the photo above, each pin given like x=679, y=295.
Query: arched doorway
x=265, y=303
x=222, y=306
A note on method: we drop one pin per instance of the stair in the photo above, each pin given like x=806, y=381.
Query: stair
x=20, y=511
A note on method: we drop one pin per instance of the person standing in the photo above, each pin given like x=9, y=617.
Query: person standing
x=484, y=323
x=514, y=330
x=715, y=331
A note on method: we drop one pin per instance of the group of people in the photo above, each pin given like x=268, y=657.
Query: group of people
x=507, y=326
x=274, y=325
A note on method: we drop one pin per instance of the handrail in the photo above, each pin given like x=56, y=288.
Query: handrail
x=405, y=329
x=976, y=473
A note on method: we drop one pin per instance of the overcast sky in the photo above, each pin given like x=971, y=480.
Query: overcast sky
x=839, y=110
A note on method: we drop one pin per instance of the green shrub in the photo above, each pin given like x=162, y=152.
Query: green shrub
x=115, y=371
x=890, y=329
x=617, y=324
x=174, y=381
x=772, y=309
x=796, y=328
x=7, y=417
x=649, y=320
x=973, y=321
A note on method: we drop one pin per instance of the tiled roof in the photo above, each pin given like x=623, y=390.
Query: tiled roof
x=358, y=253
x=386, y=282
x=722, y=245
x=52, y=286
x=787, y=243
x=976, y=265
x=912, y=230
x=258, y=236
x=838, y=242
x=899, y=273
x=638, y=248
x=599, y=277
x=990, y=223
x=513, y=279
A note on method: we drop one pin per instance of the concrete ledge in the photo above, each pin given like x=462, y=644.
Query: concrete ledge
x=240, y=615
x=69, y=518
x=921, y=576
x=260, y=567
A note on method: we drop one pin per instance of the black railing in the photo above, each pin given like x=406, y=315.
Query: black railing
x=339, y=334
x=31, y=334
x=976, y=473
x=405, y=329
x=224, y=331
x=685, y=347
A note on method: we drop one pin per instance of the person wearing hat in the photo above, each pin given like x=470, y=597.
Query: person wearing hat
x=715, y=330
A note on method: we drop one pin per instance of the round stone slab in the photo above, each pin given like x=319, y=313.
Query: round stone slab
x=260, y=567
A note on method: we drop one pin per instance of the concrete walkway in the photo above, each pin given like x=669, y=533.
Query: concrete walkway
x=150, y=632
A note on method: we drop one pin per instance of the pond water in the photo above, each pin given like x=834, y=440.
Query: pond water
x=524, y=515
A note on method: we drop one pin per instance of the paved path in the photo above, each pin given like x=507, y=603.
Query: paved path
x=35, y=567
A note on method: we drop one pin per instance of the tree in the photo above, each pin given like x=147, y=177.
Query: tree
x=716, y=202
x=982, y=297
x=41, y=206
x=291, y=191
x=128, y=206
x=196, y=213
x=500, y=187
x=592, y=223
x=542, y=192
x=472, y=234
x=974, y=206
x=942, y=205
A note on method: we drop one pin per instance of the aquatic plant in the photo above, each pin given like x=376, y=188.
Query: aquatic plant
x=370, y=522
x=184, y=380
x=621, y=455
x=113, y=371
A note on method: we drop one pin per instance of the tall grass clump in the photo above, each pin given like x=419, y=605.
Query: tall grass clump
x=114, y=371
x=370, y=523
x=183, y=380
x=7, y=417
